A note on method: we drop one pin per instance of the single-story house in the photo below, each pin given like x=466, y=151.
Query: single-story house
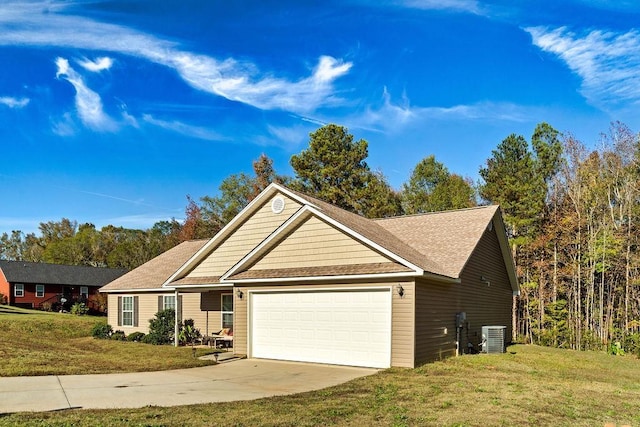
x=299, y=279
x=39, y=285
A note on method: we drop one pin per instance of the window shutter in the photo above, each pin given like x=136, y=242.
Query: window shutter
x=179, y=308
x=135, y=311
x=160, y=302
x=119, y=311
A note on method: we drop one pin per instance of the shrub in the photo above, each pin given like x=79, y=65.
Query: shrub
x=46, y=306
x=118, y=336
x=101, y=330
x=188, y=332
x=153, y=338
x=162, y=327
x=79, y=309
x=136, y=336
x=3, y=298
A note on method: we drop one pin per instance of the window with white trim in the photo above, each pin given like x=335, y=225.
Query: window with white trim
x=127, y=311
x=18, y=290
x=227, y=310
x=168, y=302
x=84, y=292
x=39, y=291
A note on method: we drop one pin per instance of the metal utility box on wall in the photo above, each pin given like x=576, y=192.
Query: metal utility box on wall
x=493, y=339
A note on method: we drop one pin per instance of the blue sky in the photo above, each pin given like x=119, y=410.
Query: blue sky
x=111, y=112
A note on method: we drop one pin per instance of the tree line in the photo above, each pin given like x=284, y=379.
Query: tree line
x=571, y=212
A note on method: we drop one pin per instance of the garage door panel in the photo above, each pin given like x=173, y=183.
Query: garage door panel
x=345, y=327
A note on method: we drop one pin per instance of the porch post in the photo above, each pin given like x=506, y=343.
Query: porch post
x=176, y=328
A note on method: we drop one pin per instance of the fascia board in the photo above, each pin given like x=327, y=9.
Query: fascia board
x=325, y=278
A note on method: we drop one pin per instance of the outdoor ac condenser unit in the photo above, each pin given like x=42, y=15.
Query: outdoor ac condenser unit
x=493, y=339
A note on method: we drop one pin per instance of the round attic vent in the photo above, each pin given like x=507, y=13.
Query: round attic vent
x=277, y=205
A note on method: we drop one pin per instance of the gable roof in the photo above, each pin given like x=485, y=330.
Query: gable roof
x=434, y=244
x=448, y=238
x=56, y=274
x=152, y=274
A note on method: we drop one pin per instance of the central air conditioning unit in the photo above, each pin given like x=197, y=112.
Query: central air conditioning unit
x=493, y=339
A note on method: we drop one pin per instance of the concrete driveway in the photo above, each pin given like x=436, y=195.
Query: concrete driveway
x=244, y=379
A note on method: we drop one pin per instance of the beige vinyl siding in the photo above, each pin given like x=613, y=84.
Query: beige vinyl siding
x=437, y=304
x=317, y=244
x=402, y=325
x=487, y=305
x=240, y=321
x=401, y=316
x=248, y=235
x=436, y=308
x=206, y=321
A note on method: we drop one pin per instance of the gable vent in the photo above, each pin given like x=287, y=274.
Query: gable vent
x=277, y=205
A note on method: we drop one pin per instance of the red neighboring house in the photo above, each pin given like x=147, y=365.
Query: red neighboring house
x=32, y=284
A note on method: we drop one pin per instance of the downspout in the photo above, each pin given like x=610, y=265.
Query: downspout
x=176, y=328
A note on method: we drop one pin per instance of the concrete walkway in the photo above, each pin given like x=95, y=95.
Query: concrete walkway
x=244, y=379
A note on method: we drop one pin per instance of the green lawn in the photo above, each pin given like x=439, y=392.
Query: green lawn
x=529, y=385
x=40, y=343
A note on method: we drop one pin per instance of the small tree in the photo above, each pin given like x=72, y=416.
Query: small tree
x=161, y=327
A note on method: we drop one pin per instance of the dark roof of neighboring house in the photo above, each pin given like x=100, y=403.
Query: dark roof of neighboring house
x=56, y=274
x=152, y=274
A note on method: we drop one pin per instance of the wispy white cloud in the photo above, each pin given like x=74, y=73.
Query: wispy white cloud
x=42, y=24
x=457, y=5
x=607, y=62
x=185, y=129
x=100, y=64
x=391, y=116
x=12, y=102
x=88, y=102
x=64, y=126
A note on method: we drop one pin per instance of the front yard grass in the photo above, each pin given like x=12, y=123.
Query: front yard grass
x=529, y=385
x=41, y=343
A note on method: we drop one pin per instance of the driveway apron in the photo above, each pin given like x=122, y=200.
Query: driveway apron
x=244, y=379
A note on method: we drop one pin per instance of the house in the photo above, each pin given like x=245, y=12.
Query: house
x=41, y=285
x=300, y=279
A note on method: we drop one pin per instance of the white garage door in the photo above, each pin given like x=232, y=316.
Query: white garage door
x=343, y=328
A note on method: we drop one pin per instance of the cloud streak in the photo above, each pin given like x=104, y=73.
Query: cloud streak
x=607, y=62
x=88, y=103
x=12, y=102
x=100, y=64
x=392, y=116
x=456, y=5
x=185, y=129
x=42, y=24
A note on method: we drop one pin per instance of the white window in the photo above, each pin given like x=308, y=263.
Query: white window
x=168, y=302
x=84, y=292
x=127, y=311
x=18, y=290
x=40, y=291
x=227, y=311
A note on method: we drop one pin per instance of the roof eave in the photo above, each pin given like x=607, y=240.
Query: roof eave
x=404, y=274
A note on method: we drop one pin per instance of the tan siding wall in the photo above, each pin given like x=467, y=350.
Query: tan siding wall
x=437, y=304
x=244, y=239
x=487, y=305
x=240, y=322
x=401, y=327
x=206, y=321
x=317, y=244
x=436, y=308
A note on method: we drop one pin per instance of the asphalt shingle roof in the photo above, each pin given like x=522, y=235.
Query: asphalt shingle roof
x=152, y=274
x=448, y=238
x=56, y=274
